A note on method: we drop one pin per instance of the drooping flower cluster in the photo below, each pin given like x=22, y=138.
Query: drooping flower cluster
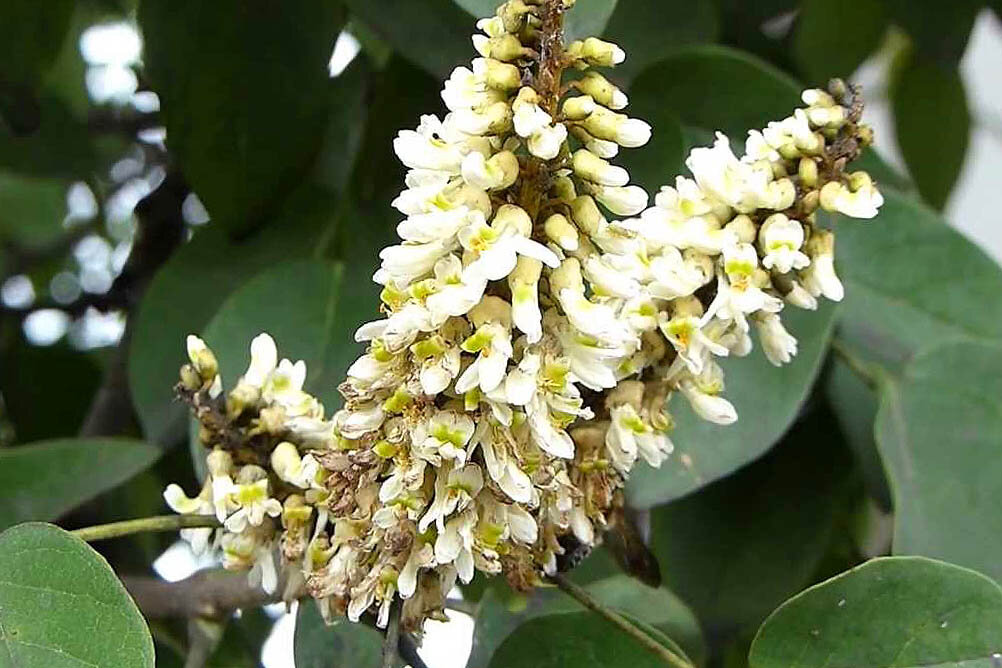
x=538, y=316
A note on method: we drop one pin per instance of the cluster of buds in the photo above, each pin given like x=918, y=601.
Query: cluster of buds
x=538, y=318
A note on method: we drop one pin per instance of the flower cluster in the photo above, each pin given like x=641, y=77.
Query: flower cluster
x=538, y=316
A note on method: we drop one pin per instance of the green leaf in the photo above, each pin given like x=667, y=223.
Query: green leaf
x=939, y=429
x=650, y=31
x=296, y=303
x=658, y=161
x=938, y=30
x=432, y=34
x=897, y=612
x=767, y=399
x=912, y=280
x=588, y=18
x=43, y=480
x=854, y=404
x=932, y=125
x=342, y=644
x=30, y=35
x=243, y=91
x=61, y=605
x=737, y=549
x=719, y=88
x=32, y=209
x=55, y=143
x=832, y=38
x=498, y=616
x=188, y=290
x=61, y=378
x=580, y=639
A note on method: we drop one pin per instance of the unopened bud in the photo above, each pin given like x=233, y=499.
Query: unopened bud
x=598, y=87
x=601, y=53
x=567, y=275
x=587, y=215
x=578, y=108
x=807, y=170
x=504, y=47
x=502, y=76
x=559, y=230
x=589, y=166
x=510, y=216
x=190, y=380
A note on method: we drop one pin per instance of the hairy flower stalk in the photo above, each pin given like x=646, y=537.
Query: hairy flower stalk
x=538, y=316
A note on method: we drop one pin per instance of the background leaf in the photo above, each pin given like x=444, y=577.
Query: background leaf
x=939, y=430
x=832, y=38
x=932, y=125
x=649, y=31
x=343, y=644
x=61, y=605
x=295, y=302
x=432, y=34
x=242, y=87
x=501, y=611
x=738, y=548
x=900, y=612
x=41, y=481
x=767, y=400
x=582, y=639
x=912, y=280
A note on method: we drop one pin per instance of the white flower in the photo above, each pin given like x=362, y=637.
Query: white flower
x=454, y=545
x=176, y=499
x=820, y=278
x=547, y=433
x=496, y=247
x=589, y=166
x=629, y=435
x=494, y=173
x=719, y=173
x=454, y=296
x=694, y=347
x=778, y=344
x=492, y=343
x=781, y=238
x=253, y=502
x=444, y=436
x=524, y=284
x=455, y=489
x=703, y=391
x=424, y=149
x=264, y=358
x=626, y=201
x=864, y=202
x=546, y=142
x=400, y=329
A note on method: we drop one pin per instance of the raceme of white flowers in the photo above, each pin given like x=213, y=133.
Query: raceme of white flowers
x=538, y=316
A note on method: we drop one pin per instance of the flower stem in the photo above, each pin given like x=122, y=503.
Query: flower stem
x=626, y=626
x=392, y=638
x=145, y=524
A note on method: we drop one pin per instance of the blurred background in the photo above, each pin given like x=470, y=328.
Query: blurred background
x=155, y=157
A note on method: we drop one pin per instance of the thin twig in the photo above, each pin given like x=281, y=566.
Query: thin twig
x=392, y=638
x=855, y=364
x=584, y=598
x=144, y=525
x=209, y=593
x=461, y=605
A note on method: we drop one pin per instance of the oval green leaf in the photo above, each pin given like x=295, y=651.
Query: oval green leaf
x=740, y=547
x=939, y=430
x=911, y=281
x=41, y=481
x=61, y=605
x=499, y=616
x=317, y=645
x=580, y=639
x=243, y=94
x=932, y=125
x=767, y=400
x=897, y=612
x=832, y=38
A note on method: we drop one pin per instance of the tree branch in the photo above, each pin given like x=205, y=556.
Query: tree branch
x=205, y=594
x=392, y=638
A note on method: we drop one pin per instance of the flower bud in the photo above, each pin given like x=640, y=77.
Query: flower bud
x=598, y=87
x=628, y=201
x=502, y=76
x=578, y=108
x=560, y=231
x=601, y=53
x=589, y=166
x=567, y=276
x=504, y=47
x=807, y=170
x=190, y=379
x=625, y=131
x=586, y=214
